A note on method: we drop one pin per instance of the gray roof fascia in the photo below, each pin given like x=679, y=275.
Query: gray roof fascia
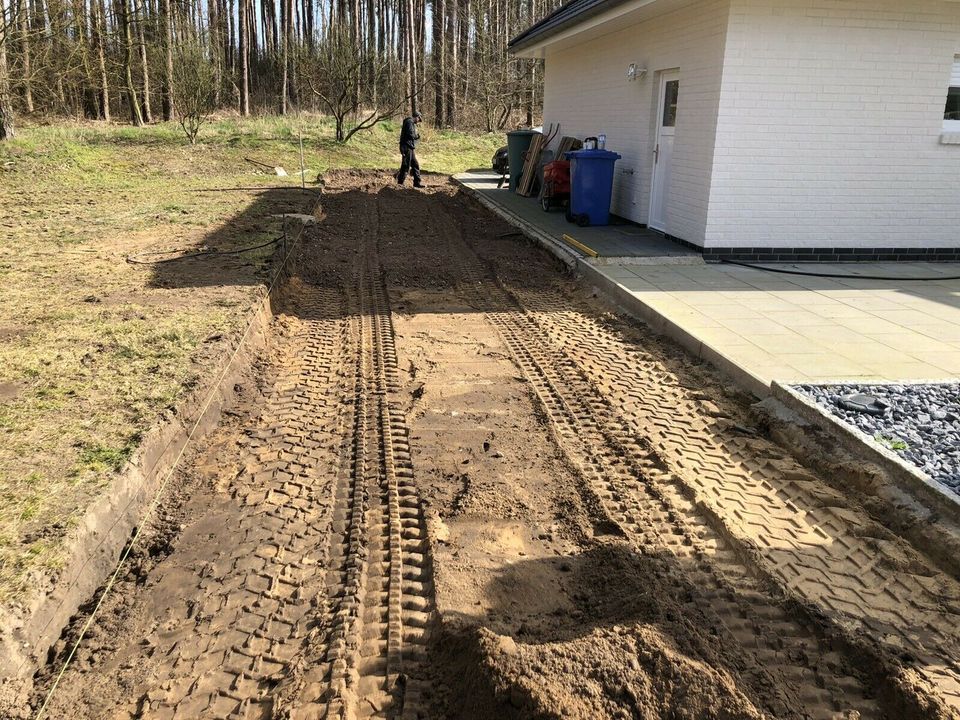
x=560, y=19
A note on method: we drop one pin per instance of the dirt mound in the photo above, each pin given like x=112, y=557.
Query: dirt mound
x=611, y=673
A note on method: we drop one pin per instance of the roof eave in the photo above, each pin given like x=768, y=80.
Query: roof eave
x=533, y=45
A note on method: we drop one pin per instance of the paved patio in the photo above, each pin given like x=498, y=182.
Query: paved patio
x=762, y=326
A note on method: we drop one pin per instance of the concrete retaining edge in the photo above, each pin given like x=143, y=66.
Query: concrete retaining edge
x=906, y=477
x=624, y=300
x=30, y=626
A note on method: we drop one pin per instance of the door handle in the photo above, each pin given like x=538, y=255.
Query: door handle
x=656, y=155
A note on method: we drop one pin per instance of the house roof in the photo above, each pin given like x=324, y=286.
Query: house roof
x=565, y=16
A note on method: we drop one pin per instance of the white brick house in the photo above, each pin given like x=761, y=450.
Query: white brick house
x=809, y=129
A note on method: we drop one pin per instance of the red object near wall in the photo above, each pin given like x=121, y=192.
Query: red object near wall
x=556, y=176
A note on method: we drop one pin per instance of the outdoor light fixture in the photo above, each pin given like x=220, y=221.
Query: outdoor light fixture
x=635, y=73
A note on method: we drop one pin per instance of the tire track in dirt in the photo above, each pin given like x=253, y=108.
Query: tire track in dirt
x=812, y=679
x=308, y=593
x=825, y=554
x=798, y=533
x=381, y=593
x=229, y=610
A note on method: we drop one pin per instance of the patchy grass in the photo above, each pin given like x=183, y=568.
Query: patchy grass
x=94, y=349
x=891, y=443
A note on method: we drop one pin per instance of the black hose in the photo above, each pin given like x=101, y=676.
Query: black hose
x=258, y=188
x=135, y=259
x=785, y=271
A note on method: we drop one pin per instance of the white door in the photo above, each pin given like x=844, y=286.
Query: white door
x=663, y=150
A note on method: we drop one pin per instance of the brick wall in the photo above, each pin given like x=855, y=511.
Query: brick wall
x=587, y=92
x=829, y=126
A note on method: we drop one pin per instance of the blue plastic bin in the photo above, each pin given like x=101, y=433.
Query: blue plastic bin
x=591, y=186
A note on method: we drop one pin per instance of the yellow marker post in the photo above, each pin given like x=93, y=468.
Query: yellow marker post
x=580, y=246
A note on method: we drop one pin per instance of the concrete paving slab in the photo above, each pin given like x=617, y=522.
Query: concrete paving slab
x=946, y=331
x=762, y=326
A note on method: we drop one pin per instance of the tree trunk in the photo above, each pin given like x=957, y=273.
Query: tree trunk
x=450, y=105
x=268, y=20
x=439, y=80
x=140, y=19
x=286, y=20
x=355, y=22
x=136, y=116
x=411, y=56
x=100, y=31
x=244, y=60
x=372, y=53
x=91, y=104
x=167, y=88
x=214, y=8
x=232, y=40
x=309, y=23
x=6, y=106
x=421, y=51
x=25, y=55
x=56, y=21
x=465, y=48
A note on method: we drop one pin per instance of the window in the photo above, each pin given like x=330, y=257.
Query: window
x=670, y=103
x=951, y=115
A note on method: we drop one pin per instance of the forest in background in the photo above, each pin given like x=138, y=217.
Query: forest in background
x=359, y=61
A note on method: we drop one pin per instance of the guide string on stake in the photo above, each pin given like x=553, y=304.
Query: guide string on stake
x=303, y=171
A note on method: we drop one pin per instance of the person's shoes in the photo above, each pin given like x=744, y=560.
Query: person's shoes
x=417, y=184
x=398, y=179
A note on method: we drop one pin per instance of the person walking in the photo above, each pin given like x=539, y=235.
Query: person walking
x=409, y=136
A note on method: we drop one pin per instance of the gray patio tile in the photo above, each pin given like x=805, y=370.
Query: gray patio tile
x=765, y=326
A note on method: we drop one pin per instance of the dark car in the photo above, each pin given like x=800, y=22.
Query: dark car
x=500, y=162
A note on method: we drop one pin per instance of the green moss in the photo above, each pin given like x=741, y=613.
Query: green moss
x=99, y=458
x=892, y=443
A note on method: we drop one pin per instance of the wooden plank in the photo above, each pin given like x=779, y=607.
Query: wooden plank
x=566, y=145
x=525, y=186
x=580, y=246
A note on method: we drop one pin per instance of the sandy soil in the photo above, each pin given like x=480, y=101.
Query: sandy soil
x=462, y=489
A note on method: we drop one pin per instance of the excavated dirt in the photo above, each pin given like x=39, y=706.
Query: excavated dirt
x=464, y=490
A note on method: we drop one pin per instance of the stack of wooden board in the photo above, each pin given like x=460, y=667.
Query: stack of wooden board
x=531, y=162
x=532, y=159
x=567, y=144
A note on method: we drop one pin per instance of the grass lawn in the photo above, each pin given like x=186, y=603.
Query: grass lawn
x=94, y=349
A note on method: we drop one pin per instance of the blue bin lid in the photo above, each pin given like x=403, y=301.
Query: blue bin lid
x=592, y=155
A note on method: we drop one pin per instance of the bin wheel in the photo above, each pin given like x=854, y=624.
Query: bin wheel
x=570, y=217
x=545, y=203
x=583, y=220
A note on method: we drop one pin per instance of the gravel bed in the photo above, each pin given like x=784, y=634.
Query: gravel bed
x=921, y=423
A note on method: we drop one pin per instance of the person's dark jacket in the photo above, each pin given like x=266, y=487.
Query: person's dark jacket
x=409, y=135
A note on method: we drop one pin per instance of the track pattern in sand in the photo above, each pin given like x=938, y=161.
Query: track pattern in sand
x=829, y=556
x=382, y=588
x=638, y=497
x=246, y=620
x=309, y=589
